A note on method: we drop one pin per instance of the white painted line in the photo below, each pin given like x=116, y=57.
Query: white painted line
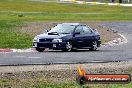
x=126, y=5
x=111, y=4
x=20, y=56
x=34, y=57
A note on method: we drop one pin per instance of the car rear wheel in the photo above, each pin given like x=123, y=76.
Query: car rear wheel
x=94, y=46
x=40, y=49
x=68, y=47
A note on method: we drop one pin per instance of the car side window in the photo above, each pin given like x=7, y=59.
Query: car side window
x=87, y=29
x=79, y=29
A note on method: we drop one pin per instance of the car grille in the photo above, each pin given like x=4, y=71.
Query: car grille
x=45, y=40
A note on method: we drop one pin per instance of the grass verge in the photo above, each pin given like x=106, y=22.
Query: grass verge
x=75, y=85
x=10, y=38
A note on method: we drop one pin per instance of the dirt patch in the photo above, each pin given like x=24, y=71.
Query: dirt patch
x=35, y=28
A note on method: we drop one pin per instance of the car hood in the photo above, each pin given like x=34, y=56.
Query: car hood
x=46, y=35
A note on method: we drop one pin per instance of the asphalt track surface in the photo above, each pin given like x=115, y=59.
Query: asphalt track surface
x=121, y=52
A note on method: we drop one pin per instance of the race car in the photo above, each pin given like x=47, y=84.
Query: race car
x=68, y=37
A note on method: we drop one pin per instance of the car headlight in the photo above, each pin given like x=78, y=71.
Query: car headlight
x=35, y=40
x=57, y=40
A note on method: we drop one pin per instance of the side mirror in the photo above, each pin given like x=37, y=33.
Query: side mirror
x=76, y=33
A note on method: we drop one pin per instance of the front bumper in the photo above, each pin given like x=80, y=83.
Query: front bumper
x=50, y=45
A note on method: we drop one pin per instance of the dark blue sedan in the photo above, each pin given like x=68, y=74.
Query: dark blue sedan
x=67, y=37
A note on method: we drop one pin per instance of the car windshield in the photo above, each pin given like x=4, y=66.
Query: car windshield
x=62, y=29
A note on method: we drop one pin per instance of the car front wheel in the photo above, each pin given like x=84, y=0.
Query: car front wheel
x=68, y=47
x=94, y=46
x=40, y=49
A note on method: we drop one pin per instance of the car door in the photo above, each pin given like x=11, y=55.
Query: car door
x=88, y=36
x=78, y=38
